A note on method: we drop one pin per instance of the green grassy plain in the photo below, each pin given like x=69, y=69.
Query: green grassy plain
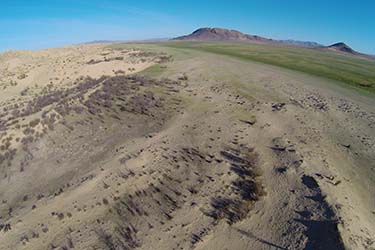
x=355, y=71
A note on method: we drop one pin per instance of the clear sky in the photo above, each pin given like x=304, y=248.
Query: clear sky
x=35, y=24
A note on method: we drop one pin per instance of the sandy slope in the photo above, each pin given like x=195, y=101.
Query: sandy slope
x=237, y=156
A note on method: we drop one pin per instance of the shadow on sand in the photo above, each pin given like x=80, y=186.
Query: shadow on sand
x=252, y=236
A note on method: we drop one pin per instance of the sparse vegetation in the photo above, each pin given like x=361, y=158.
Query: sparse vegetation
x=22, y=76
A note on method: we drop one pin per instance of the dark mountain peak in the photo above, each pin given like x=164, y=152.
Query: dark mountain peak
x=220, y=34
x=343, y=47
x=215, y=31
x=339, y=44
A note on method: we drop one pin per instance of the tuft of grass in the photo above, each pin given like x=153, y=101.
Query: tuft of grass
x=351, y=70
x=154, y=70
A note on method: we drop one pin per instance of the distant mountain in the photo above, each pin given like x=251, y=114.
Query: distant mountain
x=219, y=34
x=341, y=47
x=345, y=49
x=301, y=43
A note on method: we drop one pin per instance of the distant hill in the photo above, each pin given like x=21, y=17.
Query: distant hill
x=345, y=49
x=341, y=47
x=219, y=34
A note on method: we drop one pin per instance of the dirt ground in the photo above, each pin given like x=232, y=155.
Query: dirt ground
x=207, y=152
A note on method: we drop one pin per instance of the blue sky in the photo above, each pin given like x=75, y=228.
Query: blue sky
x=33, y=24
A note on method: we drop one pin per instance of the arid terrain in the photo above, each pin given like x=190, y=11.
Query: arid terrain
x=167, y=146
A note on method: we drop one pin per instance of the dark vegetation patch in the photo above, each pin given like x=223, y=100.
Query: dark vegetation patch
x=109, y=96
x=247, y=187
x=141, y=56
x=132, y=211
x=117, y=58
x=121, y=238
x=157, y=57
